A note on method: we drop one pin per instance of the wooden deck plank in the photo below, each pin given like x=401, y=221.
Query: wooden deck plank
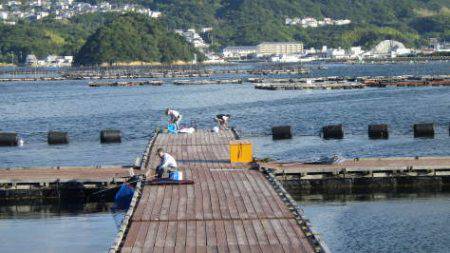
x=150, y=239
x=222, y=199
x=154, y=214
x=231, y=236
x=251, y=236
x=140, y=239
x=171, y=235
x=215, y=205
x=207, y=209
x=200, y=238
x=229, y=200
x=167, y=200
x=241, y=208
x=268, y=194
x=181, y=234
x=211, y=238
x=191, y=233
x=253, y=196
x=241, y=237
x=174, y=203
x=161, y=236
x=182, y=203
x=220, y=233
x=243, y=194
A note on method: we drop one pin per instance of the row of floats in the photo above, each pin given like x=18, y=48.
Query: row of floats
x=59, y=137
x=375, y=131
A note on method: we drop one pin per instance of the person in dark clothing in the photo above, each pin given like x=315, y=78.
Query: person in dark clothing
x=222, y=121
x=124, y=195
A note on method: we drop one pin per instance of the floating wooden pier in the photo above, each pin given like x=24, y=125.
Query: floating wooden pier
x=229, y=208
x=208, y=81
x=20, y=183
x=348, y=82
x=127, y=83
x=365, y=174
x=434, y=165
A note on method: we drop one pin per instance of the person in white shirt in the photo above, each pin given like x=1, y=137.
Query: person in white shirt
x=175, y=117
x=222, y=121
x=167, y=162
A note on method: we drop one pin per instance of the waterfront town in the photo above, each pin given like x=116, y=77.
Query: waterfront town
x=282, y=52
x=13, y=11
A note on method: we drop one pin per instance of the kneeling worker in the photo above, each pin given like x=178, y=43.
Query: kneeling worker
x=167, y=162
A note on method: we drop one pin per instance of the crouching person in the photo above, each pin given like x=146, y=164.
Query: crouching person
x=222, y=121
x=167, y=163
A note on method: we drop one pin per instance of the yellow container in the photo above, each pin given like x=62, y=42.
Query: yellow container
x=241, y=151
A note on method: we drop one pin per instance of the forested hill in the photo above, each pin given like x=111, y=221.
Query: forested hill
x=242, y=22
x=129, y=38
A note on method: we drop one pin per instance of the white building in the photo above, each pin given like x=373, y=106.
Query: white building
x=31, y=60
x=279, y=48
x=309, y=22
x=4, y=15
x=338, y=53
x=313, y=22
x=342, y=22
x=310, y=51
x=238, y=52
x=285, y=58
x=193, y=37
x=206, y=29
x=292, y=21
x=388, y=48
x=41, y=15
x=355, y=52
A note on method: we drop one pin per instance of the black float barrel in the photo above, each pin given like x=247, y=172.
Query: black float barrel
x=56, y=137
x=378, y=131
x=110, y=136
x=333, y=132
x=425, y=130
x=9, y=139
x=281, y=132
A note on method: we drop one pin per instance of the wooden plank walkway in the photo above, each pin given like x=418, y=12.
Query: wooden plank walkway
x=228, y=209
x=440, y=165
x=63, y=174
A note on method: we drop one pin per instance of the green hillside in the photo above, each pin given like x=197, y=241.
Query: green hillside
x=133, y=38
x=246, y=22
x=235, y=22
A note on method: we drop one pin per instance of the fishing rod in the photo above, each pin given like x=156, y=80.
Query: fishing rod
x=140, y=178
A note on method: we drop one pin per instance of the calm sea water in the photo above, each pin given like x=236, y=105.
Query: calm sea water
x=34, y=108
x=55, y=228
x=399, y=223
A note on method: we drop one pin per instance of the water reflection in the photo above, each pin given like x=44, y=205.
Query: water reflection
x=381, y=222
x=42, y=226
